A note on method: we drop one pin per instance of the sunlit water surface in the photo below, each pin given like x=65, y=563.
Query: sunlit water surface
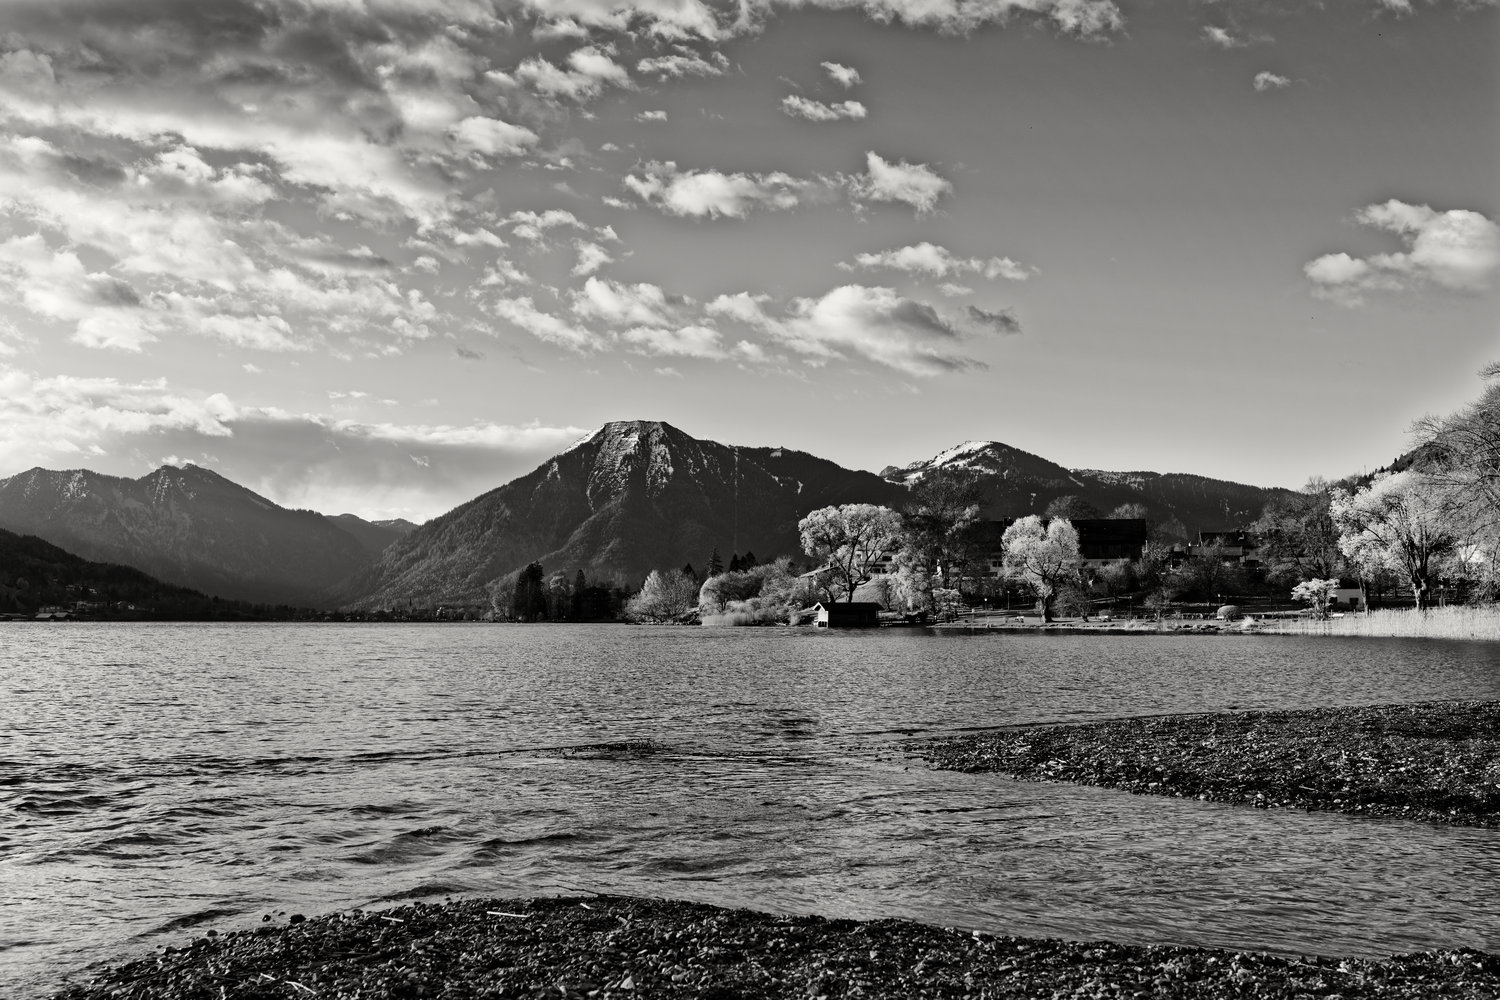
x=158, y=781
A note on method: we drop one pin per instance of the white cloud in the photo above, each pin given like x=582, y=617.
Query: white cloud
x=493, y=137
x=741, y=306
x=1456, y=249
x=878, y=325
x=544, y=326
x=939, y=262
x=817, y=111
x=619, y=304
x=590, y=70
x=712, y=194
x=683, y=62
x=687, y=341
x=1085, y=18
x=591, y=257
x=533, y=226
x=914, y=184
x=651, y=116
x=1223, y=38
x=844, y=76
x=1266, y=80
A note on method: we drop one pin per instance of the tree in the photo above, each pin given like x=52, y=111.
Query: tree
x=663, y=597
x=715, y=564
x=1315, y=593
x=1463, y=452
x=937, y=532
x=769, y=593
x=1043, y=557
x=1298, y=538
x=1401, y=520
x=1210, y=574
x=850, y=539
x=528, y=602
x=1071, y=507
x=575, y=602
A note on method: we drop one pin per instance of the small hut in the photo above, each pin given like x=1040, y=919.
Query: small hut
x=847, y=614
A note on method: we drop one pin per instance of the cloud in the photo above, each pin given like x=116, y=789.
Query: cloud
x=533, y=226
x=844, y=76
x=651, y=116
x=1457, y=249
x=618, y=304
x=1084, y=18
x=468, y=353
x=493, y=137
x=712, y=194
x=914, y=184
x=1000, y=321
x=694, y=341
x=589, y=70
x=939, y=262
x=1266, y=80
x=299, y=460
x=876, y=324
x=683, y=62
x=1223, y=38
x=591, y=257
x=522, y=313
x=817, y=111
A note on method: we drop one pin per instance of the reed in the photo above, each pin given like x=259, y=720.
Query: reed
x=1453, y=622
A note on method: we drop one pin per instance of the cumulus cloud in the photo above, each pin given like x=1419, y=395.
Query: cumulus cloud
x=533, y=226
x=817, y=111
x=651, y=116
x=1223, y=37
x=914, y=184
x=693, y=341
x=713, y=194
x=589, y=70
x=683, y=62
x=1084, y=18
x=1266, y=80
x=844, y=76
x=523, y=313
x=876, y=324
x=591, y=257
x=618, y=304
x=939, y=262
x=873, y=324
x=1457, y=249
x=493, y=137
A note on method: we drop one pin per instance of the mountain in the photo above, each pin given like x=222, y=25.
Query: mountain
x=35, y=574
x=373, y=535
x=632, y=497
x=1015, y=483
x=187, y=526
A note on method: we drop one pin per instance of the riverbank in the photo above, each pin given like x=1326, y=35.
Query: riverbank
x=1437, y=762
x=617, y=946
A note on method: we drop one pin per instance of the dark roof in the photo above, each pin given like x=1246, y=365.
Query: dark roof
x=849, y=605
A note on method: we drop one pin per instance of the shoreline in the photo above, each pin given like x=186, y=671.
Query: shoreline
x=1430, y=761
x=621, y=946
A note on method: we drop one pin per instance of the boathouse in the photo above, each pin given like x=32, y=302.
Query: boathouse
x=847, y=614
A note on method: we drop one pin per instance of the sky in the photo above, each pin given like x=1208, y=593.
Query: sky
x=380, y=256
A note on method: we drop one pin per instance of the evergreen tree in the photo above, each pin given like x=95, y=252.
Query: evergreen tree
x=715, y=564
x=580, y=585
x=528, y=602
x=734, y=563
x=749, y=561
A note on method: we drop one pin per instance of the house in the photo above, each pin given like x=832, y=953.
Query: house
x=1346, y=597
x=847, y=614
x=1236, y=546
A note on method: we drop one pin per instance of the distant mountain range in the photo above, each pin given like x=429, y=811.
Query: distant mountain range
x=192, y=527
x=632, y=497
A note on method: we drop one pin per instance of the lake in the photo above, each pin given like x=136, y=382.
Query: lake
x=157, y=781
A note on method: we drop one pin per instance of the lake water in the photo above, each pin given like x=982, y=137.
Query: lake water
x=157, y=781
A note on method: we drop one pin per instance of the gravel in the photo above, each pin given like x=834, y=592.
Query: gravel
x=617, y=946
x=1438, y=762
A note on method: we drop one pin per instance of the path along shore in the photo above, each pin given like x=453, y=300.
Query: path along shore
x=617, y=947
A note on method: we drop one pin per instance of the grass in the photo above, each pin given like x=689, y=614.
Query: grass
x=1456, y=622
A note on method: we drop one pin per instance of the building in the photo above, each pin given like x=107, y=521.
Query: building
x=1236, y=546
x=847, y=614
